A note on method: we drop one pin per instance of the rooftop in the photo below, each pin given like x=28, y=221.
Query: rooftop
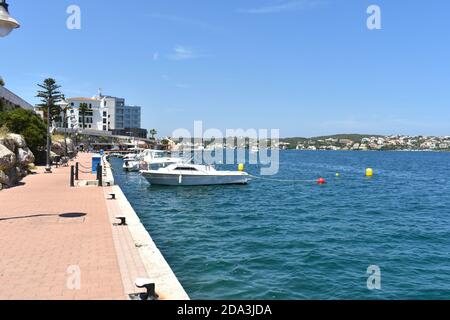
x=14, y=99
x=81, y=99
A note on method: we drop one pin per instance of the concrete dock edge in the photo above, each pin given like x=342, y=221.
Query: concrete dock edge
x=158, y=270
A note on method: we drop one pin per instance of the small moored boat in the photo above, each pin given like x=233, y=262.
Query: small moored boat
x=155, y=159
x=132, y=162
x=193, y=175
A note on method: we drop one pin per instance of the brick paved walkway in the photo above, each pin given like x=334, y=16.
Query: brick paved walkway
x=41, y=252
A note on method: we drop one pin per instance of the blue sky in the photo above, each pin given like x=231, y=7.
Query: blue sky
x=306, y=67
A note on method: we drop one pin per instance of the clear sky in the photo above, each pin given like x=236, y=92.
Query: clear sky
x=306, y=67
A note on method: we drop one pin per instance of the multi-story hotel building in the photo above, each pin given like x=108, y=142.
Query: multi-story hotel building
x=105, y=113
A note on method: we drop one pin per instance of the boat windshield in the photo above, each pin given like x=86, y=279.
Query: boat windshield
x=160, y=154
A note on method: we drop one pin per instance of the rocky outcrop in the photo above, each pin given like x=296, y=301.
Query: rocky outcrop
x=17, y=140
x=15, y=159
x=24, y=156
x=7, y=158
x=59, y=146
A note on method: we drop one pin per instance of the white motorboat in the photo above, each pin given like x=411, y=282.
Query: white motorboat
x=155, y=159
x=182, y=174
x=132, y=162
x=133, y=165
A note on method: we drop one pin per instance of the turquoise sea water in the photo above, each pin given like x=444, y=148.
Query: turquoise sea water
x=286, y=240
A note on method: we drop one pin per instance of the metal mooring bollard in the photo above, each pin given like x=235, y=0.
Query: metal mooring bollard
x=122, y=219
x=100, y=176
x=150, y=288
x=72, y=176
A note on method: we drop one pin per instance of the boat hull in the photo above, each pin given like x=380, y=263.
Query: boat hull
x=193, y=180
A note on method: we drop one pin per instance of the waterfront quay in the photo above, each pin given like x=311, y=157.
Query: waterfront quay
x=59, y=242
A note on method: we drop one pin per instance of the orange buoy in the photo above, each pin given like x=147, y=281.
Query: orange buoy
x=321, y=181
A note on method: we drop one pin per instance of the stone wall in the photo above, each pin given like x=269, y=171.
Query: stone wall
x=15, y=160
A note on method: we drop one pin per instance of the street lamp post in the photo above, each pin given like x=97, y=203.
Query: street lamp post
x=48, y=167
x=75, y=133
x=65, y=135
x=64, y=107
x=7, y=23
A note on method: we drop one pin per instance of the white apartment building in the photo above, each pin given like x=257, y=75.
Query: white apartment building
x=105, y=113
x=96, y=118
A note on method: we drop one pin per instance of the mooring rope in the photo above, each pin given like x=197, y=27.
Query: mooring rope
x=281, y=180
x=87, y=172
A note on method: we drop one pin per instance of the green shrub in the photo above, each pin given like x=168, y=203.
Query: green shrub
x=28, y=124
x=2, y=105
x=3, y=131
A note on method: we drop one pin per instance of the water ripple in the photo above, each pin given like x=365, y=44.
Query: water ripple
x=272, y=240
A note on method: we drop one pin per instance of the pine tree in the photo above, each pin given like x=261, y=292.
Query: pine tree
x=50, y=94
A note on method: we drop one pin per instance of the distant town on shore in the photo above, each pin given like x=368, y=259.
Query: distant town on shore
x=344, y=142
x=369, y=142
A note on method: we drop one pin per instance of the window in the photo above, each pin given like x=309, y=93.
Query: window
x=104, y=121
x=186, y=169
x=104, y=113
x=104, y=128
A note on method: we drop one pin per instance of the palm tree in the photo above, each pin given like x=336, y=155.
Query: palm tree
x=83, y=109
x=153, y=133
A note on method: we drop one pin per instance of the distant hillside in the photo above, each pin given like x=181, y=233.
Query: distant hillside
x=293, y=142
x=353, y=137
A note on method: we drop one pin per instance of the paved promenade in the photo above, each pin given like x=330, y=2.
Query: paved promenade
x=49, y=251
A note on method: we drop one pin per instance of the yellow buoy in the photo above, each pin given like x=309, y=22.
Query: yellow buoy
x=369, y=172
x=338, y=174
x=241, y=167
